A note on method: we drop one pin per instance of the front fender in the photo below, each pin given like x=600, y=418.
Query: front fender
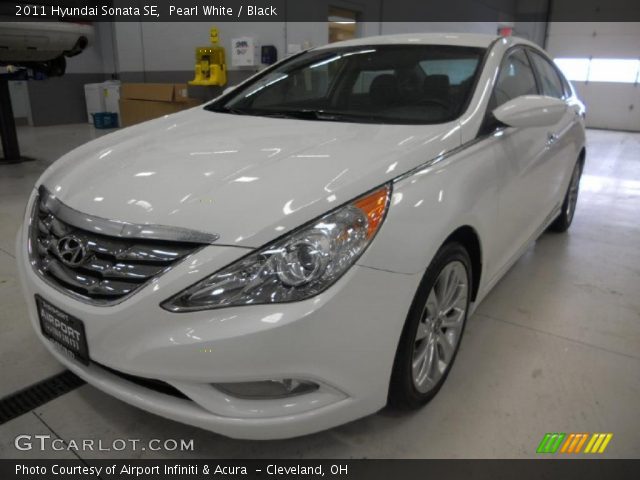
x=430, y=203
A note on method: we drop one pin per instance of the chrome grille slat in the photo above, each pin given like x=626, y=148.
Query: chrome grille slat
x=121, y=249
x=58, y=228
x=111, y=267
x=92, y=285
x=131, y=271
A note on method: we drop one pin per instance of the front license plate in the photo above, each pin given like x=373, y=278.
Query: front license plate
x=65, y=331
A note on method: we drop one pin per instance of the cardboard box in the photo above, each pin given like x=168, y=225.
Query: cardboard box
x=140, y=102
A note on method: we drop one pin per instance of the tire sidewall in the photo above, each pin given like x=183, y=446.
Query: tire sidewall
x=563, y=222
x=402, y=390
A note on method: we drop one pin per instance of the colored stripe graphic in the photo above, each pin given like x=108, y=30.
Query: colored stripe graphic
x=568, y=443
x=598, y=442
x=581, y=443
x=550, y=443
x=572, y=443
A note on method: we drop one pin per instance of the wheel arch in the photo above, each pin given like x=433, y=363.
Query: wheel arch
x=468, y=237
x=582, y=156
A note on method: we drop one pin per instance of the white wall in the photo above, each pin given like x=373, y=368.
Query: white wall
x=105, y=34
x=388, y=28
x=609, y=105
x=613, y=106
x=146, y=46
x=98, y=57
x=170, y=46
x=306, y=34
x=155, y=47
x=535, y=29
x=128, y=46
x=317, y=33
x=597, y=39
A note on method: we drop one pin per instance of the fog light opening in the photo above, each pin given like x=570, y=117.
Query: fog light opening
x=267, y=389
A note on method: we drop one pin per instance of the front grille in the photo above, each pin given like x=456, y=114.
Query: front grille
x=99, y=269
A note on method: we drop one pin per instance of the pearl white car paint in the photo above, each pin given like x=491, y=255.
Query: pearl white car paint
x=531, y=111
x=251, y=179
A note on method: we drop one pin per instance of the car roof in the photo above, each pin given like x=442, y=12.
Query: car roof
x=456, y=39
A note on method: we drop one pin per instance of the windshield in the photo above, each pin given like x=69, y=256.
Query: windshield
x=381, y=83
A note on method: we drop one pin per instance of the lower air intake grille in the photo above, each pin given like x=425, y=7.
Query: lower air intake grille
x=150, y=383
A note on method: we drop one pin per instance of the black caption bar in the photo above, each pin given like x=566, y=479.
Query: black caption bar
x=318, y=10
x=316, y=469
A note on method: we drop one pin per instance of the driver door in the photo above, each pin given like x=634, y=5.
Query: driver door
x=522, y=162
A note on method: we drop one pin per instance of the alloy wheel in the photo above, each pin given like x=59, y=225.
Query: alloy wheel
x=440, y=327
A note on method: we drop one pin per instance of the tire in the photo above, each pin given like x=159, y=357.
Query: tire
x=564, y=219
x=428, y=325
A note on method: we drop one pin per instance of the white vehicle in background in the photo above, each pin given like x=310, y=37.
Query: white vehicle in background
x=307, y=247
x=42, y=46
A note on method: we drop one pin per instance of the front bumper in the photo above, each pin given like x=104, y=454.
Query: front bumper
x=344, y=340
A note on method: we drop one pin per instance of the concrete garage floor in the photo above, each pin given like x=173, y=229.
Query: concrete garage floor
x=554, y=348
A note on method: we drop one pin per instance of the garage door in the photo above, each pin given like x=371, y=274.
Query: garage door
x=603, y=62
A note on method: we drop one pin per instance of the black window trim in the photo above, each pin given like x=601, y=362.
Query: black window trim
x=563, y=79
x=490, y=124
x=530, y=52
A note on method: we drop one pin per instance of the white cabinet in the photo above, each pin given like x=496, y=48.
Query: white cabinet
x=102, y=97
x=94, y=99
x=244, y=52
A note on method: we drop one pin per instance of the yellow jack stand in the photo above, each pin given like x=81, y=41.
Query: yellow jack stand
x=211, y=66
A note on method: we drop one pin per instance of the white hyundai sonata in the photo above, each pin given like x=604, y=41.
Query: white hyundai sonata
x=307, y=247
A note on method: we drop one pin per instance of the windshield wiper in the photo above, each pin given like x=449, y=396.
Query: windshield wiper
x=303, y=114
x=307, y=114
x=236, y=111
x=265, y=113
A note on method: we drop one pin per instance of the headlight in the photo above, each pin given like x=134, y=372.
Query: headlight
x=298, y=266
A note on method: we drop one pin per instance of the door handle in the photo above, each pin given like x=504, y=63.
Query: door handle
x=551, y=138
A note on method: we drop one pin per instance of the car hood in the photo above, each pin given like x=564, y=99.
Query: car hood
x=248, y=179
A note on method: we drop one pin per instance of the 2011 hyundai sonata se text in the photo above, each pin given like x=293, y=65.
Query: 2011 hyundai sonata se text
x=307, y=247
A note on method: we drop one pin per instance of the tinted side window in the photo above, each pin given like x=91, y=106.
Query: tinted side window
x=459, y=70
x=301, y=86
x=568, y=91
x=551, y=83
x=380, y=84
x=514, y=80
x=366, y=78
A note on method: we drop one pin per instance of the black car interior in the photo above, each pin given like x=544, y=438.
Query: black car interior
x=389, y=84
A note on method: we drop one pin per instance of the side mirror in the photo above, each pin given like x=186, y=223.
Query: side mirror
x=227, y=90
x=531, y=111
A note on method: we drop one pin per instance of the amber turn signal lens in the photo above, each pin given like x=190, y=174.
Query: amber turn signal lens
x=374, y=206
